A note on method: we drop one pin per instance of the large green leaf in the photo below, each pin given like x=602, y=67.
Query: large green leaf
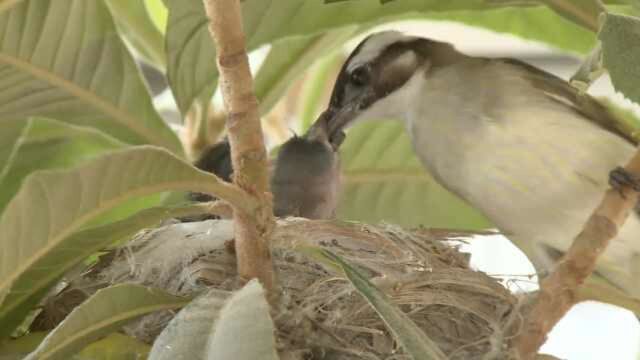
x=383, y=180
x=30, y=286
x=49, y=144
x=534, y=23
x=244, y=316
x=191, y=56
x=414, y=341
x=63, y=59
x=106, y=311
x=136, y=25
x=113, y=347
x=620, y=37
x=185, y=335
x=40, y=233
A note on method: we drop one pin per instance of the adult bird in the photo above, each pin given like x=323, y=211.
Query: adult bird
x=517, y=143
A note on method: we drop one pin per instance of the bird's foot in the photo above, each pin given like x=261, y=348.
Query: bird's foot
x=620, y=178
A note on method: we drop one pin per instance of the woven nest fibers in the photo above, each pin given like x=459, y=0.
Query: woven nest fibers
x=320, y=315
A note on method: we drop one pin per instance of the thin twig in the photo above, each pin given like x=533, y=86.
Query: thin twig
x=559, y=291
x=248, y=154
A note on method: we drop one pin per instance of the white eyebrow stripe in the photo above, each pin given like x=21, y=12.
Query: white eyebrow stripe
x=375, y=45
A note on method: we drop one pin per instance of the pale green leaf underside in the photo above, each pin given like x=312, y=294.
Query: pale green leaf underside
x=50, y=144
x=39, y=228
x=245, y=315
x=383, y=180
x=191, y=56
x=620, y=37
x=414, y=341
x=106, y=311
x=64, y=60
x=185, y=337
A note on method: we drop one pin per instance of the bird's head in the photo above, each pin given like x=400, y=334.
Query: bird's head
x=377, y=78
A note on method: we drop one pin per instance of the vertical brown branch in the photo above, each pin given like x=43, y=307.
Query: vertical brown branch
x=558, y=291
x=248, y=154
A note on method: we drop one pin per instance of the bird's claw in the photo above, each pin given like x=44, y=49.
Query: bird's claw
x=620, y=178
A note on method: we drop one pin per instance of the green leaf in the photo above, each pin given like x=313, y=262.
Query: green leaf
x=34, y=282
x=22, y=346
x=383, y=180
x=414, y=341
x=582, y=12
x=113, y=347
x=158, y=13
x=10, y=138
x=106, y=311
x=533, y=23
x=135, y=24
x=191, y=64
x=185, y=335
x=40, y=230
x=243, y=329
x=620, y=36
x=289, y=58
x=50, y=144
x=64, y=60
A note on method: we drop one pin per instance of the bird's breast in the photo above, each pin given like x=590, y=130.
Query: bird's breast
x=536, y=172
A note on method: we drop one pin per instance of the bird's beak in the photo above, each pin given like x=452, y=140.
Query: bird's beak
x=339, y=119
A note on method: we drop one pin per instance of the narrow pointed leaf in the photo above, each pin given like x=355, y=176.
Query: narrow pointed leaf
x=64, y=60
x=39, y=229
x=51, y=144
x=185, y=335
x=414, y=341
x=106, y=311
x=245, y=315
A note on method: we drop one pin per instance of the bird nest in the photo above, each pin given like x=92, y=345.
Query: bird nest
x=319, y=313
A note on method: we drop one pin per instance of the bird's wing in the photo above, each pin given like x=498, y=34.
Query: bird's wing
x=559, y=90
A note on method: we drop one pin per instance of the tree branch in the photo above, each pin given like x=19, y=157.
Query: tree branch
x=248, y=155
x=559, y=291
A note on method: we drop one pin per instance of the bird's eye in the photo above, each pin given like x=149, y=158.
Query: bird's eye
x=359, y=76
